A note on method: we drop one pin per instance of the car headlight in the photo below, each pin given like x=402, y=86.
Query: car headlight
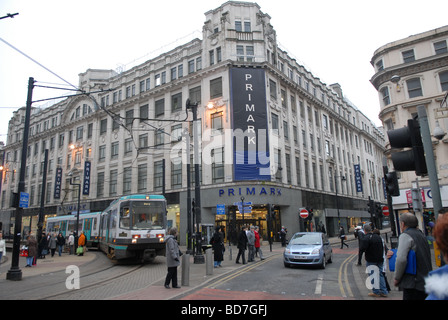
x=287, y=251
x=316, y=251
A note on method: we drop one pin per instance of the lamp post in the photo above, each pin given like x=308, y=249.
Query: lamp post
x=198, y=257
x=15, y=273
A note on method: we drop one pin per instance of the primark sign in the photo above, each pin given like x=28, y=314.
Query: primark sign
x=250, y=124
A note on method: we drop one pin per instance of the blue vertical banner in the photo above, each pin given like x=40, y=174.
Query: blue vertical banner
x=250, y=124
x=58, y=184
x=358, y=178
x=86, y=184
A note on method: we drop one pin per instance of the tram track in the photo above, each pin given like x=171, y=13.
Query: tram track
x=88, y=280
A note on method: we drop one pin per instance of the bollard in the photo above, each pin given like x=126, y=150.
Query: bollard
x=186, y=269
x=208, y=262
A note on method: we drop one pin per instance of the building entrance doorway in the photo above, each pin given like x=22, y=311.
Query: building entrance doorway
x=234, y=220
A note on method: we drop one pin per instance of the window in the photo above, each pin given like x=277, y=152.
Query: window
x=216, y=121
x=216, y=88
x=173, y=73
x=385, y=95
x=247, y=26
x=273, y=89
x=129, y=118
x=414, y=88
x=144, y=112
x=176, y=174
x=102, y=153
x=275, y=124
x=113, y=182
x=238, y=26
x=127, y=180
x=240, y=53
x=408, y=56
x=114, y=150
x=212, y=57
x=128, y=146
x=159, y=137
x=142, y=177
x=158, y=175
x=79, y=133
x=379, y=65
x=176, y=133
x=190, y=66
x=160, y=107
x=218, y=165
x=103, y=126
x=143, y=141
x=444, y=80
x=176, y=102
x=100, y=184
x=440, y=47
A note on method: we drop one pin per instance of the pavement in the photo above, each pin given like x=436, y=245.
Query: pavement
x=197, y=277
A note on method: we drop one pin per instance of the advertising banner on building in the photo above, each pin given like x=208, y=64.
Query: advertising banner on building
x=358, y=178
x=86, y=184
x=58, y=184
x=250, y=124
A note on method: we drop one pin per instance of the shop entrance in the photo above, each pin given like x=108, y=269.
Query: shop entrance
x=234, y=220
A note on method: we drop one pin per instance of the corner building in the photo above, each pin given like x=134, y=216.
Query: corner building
x=271, y=135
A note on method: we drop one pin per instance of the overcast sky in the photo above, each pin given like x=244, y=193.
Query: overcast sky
x=335, y=40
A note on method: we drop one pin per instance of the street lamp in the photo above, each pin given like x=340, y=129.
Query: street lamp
x=199, y=257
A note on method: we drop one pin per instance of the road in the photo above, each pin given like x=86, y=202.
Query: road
x=269, y=279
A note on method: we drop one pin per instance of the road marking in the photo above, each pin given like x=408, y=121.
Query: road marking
x=240, y=272
x=343, y=272
x=320, y=281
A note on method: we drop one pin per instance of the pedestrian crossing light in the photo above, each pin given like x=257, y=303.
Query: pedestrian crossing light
x=414, y=158
x=392, y=184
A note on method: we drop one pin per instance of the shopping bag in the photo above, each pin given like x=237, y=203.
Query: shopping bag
x=24, y=252
x=80, y=250
x=411, y=266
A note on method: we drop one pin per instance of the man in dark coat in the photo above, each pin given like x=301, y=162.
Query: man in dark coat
x=217, y=243
x=242, y=245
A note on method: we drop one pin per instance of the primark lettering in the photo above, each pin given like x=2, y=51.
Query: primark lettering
x=250, y=191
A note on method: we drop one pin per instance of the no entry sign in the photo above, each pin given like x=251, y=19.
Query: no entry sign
x=303, y=213
x=385, y=211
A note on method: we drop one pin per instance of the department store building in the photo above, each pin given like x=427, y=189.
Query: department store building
x=271, y=135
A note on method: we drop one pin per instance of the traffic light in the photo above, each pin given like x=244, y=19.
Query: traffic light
x=408, y=137
x=370, y=206
x=392, y=187
x=379, y=209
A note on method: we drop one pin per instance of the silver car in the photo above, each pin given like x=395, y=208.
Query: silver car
x=308, y=248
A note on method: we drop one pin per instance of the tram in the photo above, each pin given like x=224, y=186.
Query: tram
x=133, y=227
x=88, y=222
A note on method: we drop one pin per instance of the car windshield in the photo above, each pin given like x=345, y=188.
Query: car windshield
x=306, y=239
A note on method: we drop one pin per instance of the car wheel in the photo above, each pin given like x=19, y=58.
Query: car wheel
x=287, y=265
x=324, y=262
x=331, y=259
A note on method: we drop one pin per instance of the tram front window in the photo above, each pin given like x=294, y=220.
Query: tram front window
x=146, y=215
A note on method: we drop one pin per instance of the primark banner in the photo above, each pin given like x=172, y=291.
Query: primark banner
x=250, y=124
x=358, y=178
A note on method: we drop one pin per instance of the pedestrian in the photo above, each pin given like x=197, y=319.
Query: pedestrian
x=60, y=241
x=437, y=280
x=412, y=285
x=52, y=244
x=2, y=247
x=43, y=246
x=242, y=245
x=385, y=250
x=372, y=246
x=251, y=244
x=359, y=234
x=342, y=236
x=217, y=242
x=258, y=243
x=283, y=233
x=172, y=258
x=81, y=244
x=71, y=244
x=32, y=250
